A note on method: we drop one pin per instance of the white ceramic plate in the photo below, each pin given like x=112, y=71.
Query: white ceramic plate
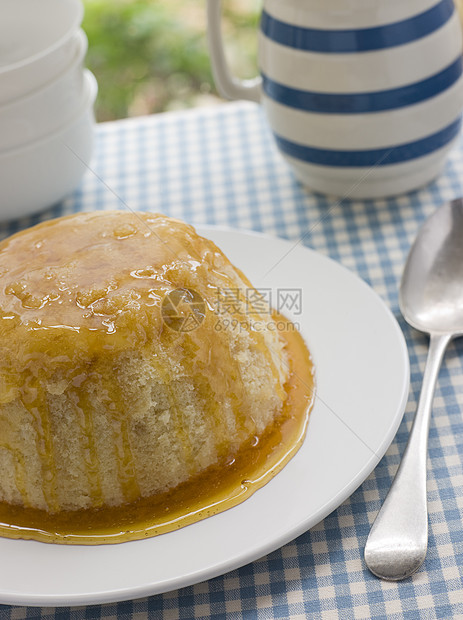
x=362, y=379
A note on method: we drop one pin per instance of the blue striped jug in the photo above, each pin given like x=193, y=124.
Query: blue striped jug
x=364, y=97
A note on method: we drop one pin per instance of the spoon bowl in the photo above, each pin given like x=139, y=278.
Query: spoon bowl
x=431, y=291
x=431, y=300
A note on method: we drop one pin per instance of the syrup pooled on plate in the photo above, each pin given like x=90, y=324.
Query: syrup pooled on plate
x=140, y=391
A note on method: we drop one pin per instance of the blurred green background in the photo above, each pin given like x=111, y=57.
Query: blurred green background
x=151, y=55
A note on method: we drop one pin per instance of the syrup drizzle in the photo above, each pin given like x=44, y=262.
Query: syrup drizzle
x=217, y=489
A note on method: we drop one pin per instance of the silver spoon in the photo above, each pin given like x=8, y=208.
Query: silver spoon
x=431, y=300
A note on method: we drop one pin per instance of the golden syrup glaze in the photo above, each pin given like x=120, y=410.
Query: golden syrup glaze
x=77, y=291
x=217, y=489
x=65, y=286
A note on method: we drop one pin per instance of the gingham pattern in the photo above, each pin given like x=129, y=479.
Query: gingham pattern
x=220, y=166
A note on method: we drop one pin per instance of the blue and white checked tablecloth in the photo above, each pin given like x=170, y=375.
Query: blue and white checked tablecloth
x=219, y=166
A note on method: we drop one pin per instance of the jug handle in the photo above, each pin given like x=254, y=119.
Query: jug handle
x=228, y=86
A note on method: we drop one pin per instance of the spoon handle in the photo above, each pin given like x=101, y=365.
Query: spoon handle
x=398, y=540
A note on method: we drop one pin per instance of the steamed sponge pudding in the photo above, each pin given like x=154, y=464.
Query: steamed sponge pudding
x=102, y=400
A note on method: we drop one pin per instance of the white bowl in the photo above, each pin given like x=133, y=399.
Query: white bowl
x=44, y=110
x=41, y=173
x=36, y=42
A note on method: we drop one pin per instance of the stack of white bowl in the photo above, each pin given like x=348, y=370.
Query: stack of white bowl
x=46, y=103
